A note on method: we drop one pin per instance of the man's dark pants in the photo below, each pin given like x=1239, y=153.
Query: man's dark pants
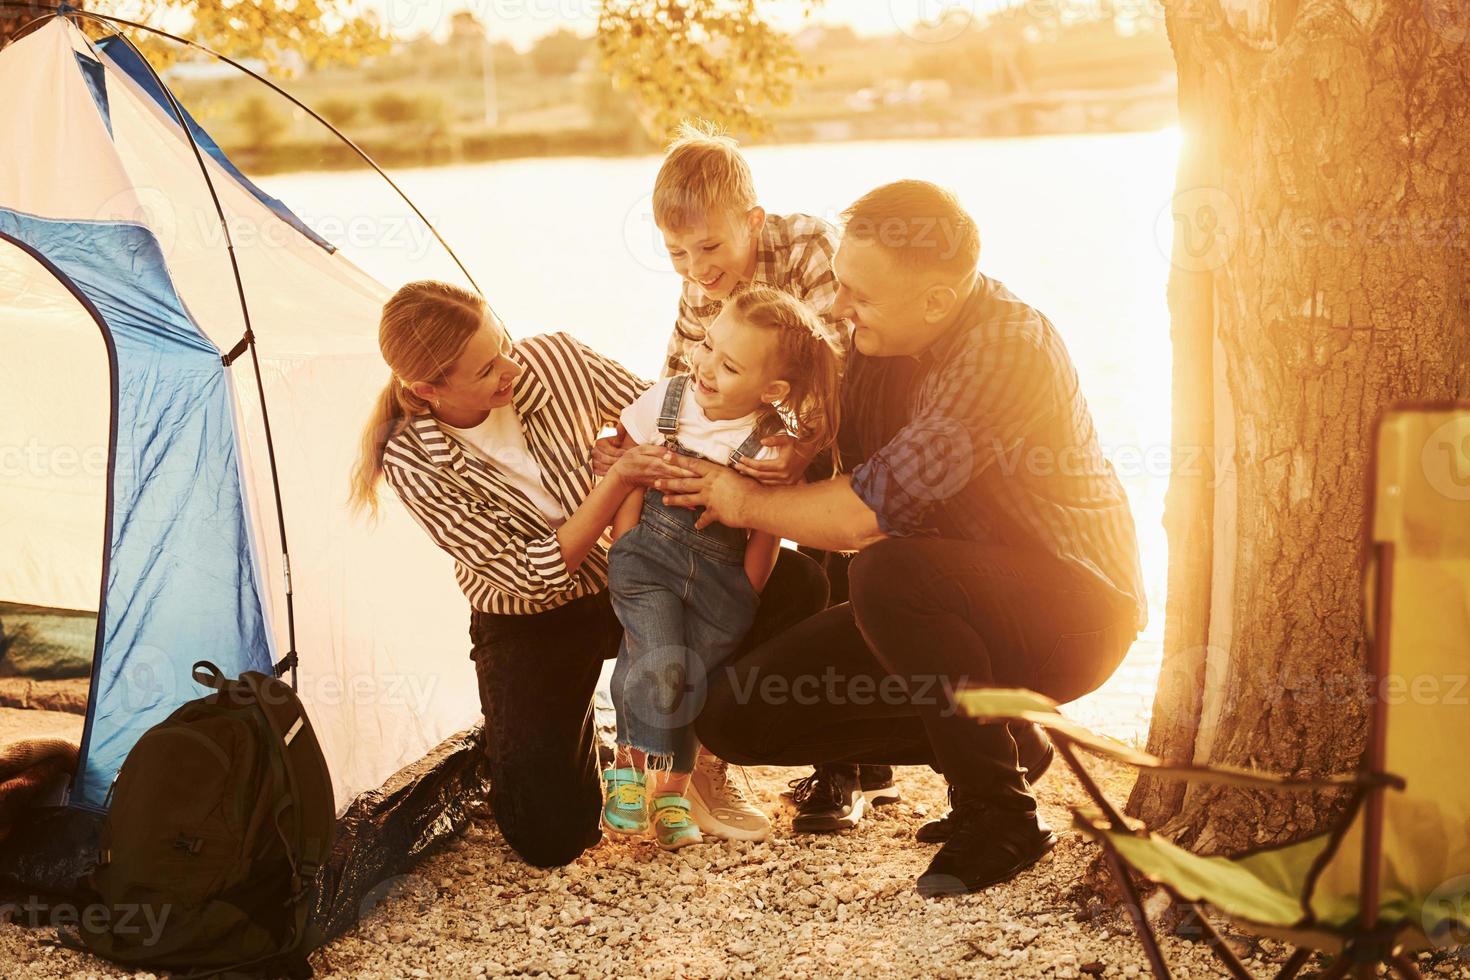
x=871, y=680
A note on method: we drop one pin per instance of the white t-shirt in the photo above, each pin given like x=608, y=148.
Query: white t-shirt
x=713, y=440
x=500, y=441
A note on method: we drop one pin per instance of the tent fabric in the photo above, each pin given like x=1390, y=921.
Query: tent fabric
x=174, y=580
x=95, y=77
x=109, y=216
x=124, y=58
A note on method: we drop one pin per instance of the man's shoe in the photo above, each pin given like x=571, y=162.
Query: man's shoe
x=988, y=846
x=878, y=786
x=1036, y=754
x=718, y=806
x=831, y=798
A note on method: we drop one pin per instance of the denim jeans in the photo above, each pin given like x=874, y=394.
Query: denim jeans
x=537, y=675
x=685, y=603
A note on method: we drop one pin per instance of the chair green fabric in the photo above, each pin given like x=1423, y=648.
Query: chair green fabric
x=1310, y=891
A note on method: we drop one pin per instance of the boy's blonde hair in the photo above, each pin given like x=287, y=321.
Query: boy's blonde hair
x=703, y=174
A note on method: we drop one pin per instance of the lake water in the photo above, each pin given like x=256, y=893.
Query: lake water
x=1071, y=224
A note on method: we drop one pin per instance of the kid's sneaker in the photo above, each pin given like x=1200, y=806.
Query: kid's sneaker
x=673, y=828
x=718, y=806
x=625, y=802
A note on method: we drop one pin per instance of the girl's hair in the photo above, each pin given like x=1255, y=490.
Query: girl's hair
x=805, y=359
x=424, y=328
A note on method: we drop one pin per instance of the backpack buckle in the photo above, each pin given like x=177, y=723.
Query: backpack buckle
x=183, y=842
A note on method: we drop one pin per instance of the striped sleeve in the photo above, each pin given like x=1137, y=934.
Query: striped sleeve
x=477, y=537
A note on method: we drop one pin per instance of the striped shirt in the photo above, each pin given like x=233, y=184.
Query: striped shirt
x=997, y=445
x=794, y=255
x=507, y=558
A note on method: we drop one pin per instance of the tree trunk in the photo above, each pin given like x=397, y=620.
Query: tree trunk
x=1321, y=218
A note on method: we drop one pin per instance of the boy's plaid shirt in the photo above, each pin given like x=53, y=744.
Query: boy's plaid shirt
x=794, y=255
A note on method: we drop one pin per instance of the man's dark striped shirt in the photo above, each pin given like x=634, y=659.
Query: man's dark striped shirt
x=996, y=445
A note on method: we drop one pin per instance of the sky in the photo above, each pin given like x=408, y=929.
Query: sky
x=521, y=22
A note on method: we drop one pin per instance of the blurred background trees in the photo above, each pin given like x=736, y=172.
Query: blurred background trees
x=627, y=79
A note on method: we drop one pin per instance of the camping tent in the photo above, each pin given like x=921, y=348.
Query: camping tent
x=139, y=482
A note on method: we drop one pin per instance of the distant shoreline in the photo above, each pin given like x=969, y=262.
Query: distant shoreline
x=448, y=151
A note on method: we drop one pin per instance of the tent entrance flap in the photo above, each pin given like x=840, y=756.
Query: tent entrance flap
x=175, y=556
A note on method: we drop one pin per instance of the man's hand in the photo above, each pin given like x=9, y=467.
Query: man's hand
x=642, y=465
x=607, y=451
x=786, y=467
x=721, y=491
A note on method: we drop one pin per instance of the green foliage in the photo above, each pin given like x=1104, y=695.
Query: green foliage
x=263, y=125
x=717, y=60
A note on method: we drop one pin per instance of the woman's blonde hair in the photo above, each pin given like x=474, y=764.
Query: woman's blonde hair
x=425, y=327
x=805, y=360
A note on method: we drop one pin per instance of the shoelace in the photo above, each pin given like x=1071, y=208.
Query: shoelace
x=817, y=790
x=719, y=778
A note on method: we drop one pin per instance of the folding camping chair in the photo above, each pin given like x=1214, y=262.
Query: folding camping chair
x=1393, y=875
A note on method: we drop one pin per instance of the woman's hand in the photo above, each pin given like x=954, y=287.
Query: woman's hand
x=786, y=467
x=640, y=466
x=608, y=450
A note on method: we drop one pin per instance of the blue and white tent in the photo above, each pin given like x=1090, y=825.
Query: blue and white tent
x=136, y=480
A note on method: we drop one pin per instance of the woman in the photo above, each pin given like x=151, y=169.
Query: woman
x=487, y=444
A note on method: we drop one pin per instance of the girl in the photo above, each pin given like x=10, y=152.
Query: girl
x=687, y=597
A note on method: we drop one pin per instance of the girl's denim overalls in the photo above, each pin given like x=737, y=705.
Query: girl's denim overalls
x=685, y=603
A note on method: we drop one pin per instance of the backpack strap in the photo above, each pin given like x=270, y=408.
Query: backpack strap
x=668, y=416
x=313, y=809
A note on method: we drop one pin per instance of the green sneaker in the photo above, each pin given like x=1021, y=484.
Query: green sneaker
x=625, y=802
x=673, y=828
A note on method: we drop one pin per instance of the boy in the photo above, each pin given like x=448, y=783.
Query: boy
x=720, y=241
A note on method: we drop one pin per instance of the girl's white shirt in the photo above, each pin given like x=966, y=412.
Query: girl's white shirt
x=714, y=440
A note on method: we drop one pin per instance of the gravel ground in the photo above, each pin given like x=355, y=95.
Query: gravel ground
x=840, y=905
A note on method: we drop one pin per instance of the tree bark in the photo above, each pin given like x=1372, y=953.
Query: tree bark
x=1322, y=216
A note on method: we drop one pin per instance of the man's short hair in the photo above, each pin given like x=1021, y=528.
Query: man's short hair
x=703, y=174
x=922, y=225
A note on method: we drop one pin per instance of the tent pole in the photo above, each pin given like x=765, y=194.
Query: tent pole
x=290, y=660
x=68, y=10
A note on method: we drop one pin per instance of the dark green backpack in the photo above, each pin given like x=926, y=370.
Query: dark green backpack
x=221, y=816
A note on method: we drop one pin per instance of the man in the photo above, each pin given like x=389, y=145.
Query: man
x=995, y=547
